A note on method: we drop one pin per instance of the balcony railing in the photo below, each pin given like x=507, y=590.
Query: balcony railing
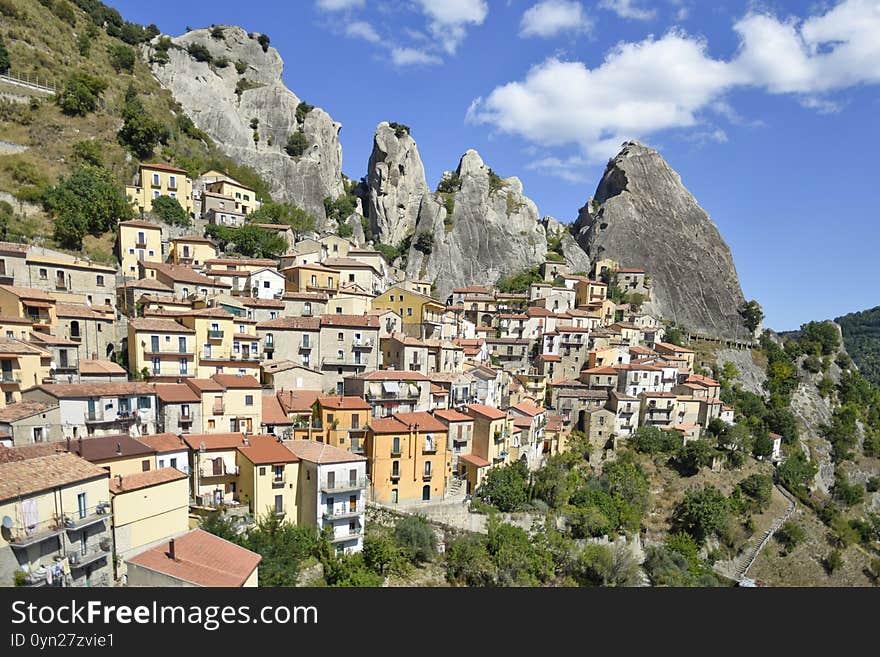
x=219, y=409
x=343, y=511
x=426, y=476
x=10, y=377
x=395, y=476
x=140, y=244
x=215, y=334
x=343, y=484
x=305, y=346
x=363, y=344
x=279, y=483
x=348, y=536
x=208, y=472
x=24, y=537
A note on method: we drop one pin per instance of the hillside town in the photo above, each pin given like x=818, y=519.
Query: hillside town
x=138, y=400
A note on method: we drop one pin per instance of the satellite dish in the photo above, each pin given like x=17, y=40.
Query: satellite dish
x=7, y=522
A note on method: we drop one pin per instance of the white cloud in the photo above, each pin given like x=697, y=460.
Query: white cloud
x=551, y=17
x=628, y=9
x=672, y=82
x=339, y=5
x=574, y=169
x=448, y=19
x=362, y=30
x=413, y=57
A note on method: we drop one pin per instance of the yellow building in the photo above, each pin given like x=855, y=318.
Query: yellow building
x=268, y=477
x=214, y=467
x=192, y=250
x=338, y=421
x=421, y=314
x=138, y=240
x=148, y=509
x=22, y=366
x=229, y=403
x=29, y=303
x=408, y=458
x=57, y=506
x=218, y=182
x=223, y=342
x=165, y=348
x=492, y=433
x=311, y=278
x=156, y=180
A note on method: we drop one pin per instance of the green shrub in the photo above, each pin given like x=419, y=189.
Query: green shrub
x=264, y=40
x=140, y=132
x=241, y=67
x=496, y=182
x=221, y=62
x=4, y=57
x=702, y=512
x=506, y=487
x=399, y=129
x=302, y=111
x=790, y=535
x=833, y=562
x=81, y=94
x=424, y=243
x=450, y=183
x=217, y=32
x=170, y=211
x=199, y=52
x=121, y=58
x=297, y=143
x=416, y=538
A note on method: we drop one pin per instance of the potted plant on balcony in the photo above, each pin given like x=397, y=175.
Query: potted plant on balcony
x=20, y=578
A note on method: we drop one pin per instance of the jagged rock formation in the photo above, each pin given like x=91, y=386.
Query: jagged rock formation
x=750, y=376
x=643, y=216
x=493, y=230
x=226, y=104
x=575, y=257
x=396, y=184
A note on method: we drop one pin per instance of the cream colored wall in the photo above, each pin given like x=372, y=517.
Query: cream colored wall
x=143, y=195
x=350, y=304
x=128, y=240
x=199, y=252
x=28, y=370
x=128, y=465
x=139, y=342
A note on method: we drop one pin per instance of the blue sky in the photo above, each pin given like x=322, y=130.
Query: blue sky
x=768, y=110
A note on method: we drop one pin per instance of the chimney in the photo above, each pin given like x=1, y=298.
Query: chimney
x=171, y=552
x=80, y=448
x=119, y=448
x=119, y=480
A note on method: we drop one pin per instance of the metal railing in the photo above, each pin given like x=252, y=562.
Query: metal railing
x=343, y=511
x=215, y=334
x=33, y=82
x=343, y=484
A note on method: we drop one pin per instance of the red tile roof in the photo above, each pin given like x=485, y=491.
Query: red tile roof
x=421, y=421
x=298, y=401
x=487, y=411
x=177, y=393
x=236, y=381
x=529, y=408
x=452, y=415
x=344, y=403
x=140, y=480
x=213, y=441
x=266, y=450
x=315, y=452
x=273, y=413
x=474, y=460
x=164, y=443
x=202, y=559
x=41, y=473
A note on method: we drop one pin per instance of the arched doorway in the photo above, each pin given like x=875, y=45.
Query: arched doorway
x=426, y=492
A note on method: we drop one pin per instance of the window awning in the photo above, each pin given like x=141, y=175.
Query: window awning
x=391, y=386
x=36, y=304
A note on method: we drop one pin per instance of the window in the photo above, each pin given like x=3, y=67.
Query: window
x=144, y=402
x=266, y=285
x=173, y=462
x=145, y=465
x=248, y=400
x=279, y=473
x=279, y=504
x=395, y=445
x=38, y=434
x=155, y=178
x=340, y=355
x=395, y=469
x=81, y=506
x=340, y=336
x=351, y=278
x=184, y=410
x=409, y=312
x=427, y=468
x=273, y=314
x=100, y=281
x=155, y=193
x=44, y=274
x=184, y=366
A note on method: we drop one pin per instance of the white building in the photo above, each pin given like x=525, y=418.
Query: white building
x=267, y=283
x=333, y=492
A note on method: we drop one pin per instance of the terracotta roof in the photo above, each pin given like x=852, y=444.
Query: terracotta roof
x=149, y=284
x=266, y=450
x=105, y=448
x=298, y=401
x=14, y=247
x=387, y=425
x=249, y=262
x=254, y=302
x=164, y=443
x=176, y=393
x=20, y=478
x=305, y=296
x=630, y=271
x=214, y=441
x=604, y=369
x=354, y=321
x=554, y=423
x=114, y=389
x=141, y=480
x=204, y=385
x=181, y=274
x=81, y=311
x=474, y=460
x=487, y=411
x=139, y=223
x=529, y=409
x=291, y=324
x=452, y=415
x=91, y=366
x=472, y=289
x=159, y=325
x=273, y=413
x=236, y=381
x=26, y=292
x=31, y=451
x=674, y=348
x=162, y=167
x=437, y=390
x=315, y=452
x=201, y=559
x=24, y=408
x=551, y=358
x=195, y=238
x=344, y=403
x=46, y=339
x=522, y=422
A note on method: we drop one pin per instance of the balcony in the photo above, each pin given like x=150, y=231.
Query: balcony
x=343, y=511
x=305, y=346
x=42, y=531
x=429, y=449
x=78, y=561
x=395, y=477
x=219, y=408
x=343, y=361
x=215, y=334
x=348, y=536
x=395, y=453
x=101, y=513
x=279, y=483
x=10, y=377
x=7, y=279
x=209, y=473
x=331, y=486
x=363, y=344
x=426, y=476
x=140, y=244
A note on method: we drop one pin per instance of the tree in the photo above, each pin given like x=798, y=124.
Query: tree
x=4, y=57
x=170, y=211
x=283, y=546
x=89, y=152
x=122, y=58
x=302, y=110
x=264, y=40
x=199, y=52
x=506, y=487
x=380, y=551
x=289, y=214
x=416, y=538
x=297, y=143
x=469, y=563
x=89, y=201
x=424, y=242
x=702, y=512
x=81, y=94
x=796, y=472
x=833, y=562
x=758, y=488
x=693, y=456
x=519, y=560
x=790, y=535
x=249, y=240
x=140, y=132
x=628, y=485
x=653, y=440
x=763, y=446
x=350, y=570
x=218, y=525
x=752, y=315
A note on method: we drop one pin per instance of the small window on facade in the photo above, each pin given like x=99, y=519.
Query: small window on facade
x=248, y=400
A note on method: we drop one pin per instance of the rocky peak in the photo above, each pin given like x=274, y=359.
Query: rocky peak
x=396, y=183
x=240, y=101
x=643, y=216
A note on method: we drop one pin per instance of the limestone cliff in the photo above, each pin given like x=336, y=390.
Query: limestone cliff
x=643, y=216
x=240, y=101
x=483, y=228
x=396, y=184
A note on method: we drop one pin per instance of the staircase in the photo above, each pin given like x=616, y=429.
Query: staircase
x=456, y=489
